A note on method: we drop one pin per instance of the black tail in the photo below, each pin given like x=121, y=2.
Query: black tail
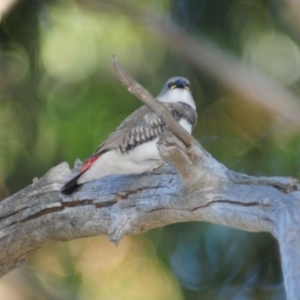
x=71, y=186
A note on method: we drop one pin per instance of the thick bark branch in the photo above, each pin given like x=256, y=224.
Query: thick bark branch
x=201, y=189
x=130, y=204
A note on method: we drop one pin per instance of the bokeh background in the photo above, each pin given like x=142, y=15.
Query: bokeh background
x=59, y=99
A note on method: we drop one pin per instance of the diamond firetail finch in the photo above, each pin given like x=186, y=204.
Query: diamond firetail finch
x=132, y=147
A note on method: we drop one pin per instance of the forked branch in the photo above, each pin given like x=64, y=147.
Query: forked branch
x=198, y=189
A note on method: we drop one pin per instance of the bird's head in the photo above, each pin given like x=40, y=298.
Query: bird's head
x=177, y=89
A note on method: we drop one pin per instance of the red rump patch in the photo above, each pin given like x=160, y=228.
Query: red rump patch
x=89, y=162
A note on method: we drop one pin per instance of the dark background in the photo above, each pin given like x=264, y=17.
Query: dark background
x=59, y=100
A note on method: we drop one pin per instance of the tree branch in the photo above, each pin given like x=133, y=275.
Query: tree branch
x=198, y=189
x=141, y=93
x=127, y=205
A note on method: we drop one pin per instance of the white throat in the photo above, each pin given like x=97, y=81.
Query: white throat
x=177, y=95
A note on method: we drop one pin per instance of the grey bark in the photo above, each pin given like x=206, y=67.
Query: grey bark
x=191, y=186
x=203, y=190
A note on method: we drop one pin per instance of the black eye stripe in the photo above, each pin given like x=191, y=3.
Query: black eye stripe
x=177, y=84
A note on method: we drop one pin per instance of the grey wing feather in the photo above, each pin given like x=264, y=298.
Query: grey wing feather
x=116, y=138
x=143, y=125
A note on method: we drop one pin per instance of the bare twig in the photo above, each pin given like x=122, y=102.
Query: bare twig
x=140, y=92
x=172, y=152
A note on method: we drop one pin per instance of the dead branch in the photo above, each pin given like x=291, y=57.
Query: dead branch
x=141, y=93
x=199, y=189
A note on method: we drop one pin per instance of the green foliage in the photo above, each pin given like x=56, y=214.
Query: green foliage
x=59, y=100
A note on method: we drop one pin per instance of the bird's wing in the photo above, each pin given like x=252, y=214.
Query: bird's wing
x=141, y=126
x=126, y=128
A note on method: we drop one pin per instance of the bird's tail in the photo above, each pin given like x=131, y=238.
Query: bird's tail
x=71, y=186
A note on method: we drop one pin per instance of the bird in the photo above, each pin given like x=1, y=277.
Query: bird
x=132, y=147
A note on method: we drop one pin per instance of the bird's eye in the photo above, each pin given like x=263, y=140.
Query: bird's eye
x=187, y=87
